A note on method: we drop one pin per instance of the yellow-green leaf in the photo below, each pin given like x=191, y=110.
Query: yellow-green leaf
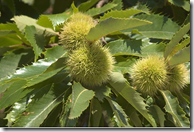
x=111, y=25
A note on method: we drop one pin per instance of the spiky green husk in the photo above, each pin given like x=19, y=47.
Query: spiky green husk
x=149, y=75
x=178, y=78
x=91, y=64
x=75, y=30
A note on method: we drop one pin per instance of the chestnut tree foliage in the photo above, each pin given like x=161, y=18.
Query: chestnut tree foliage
x=37, y=89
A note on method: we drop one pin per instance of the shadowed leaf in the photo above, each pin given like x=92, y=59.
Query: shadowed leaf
x=135, y=47
x=97, y=11
x=121, y=117
x=161, y=27
x=122, y=87
x=44, y=101
x=173, y=108
x=158, y=114
x=14, y=93
x=95, y=113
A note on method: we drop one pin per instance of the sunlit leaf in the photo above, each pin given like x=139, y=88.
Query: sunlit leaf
x=86, y=5
x=54, y=52
x=75, y=9
x=124, y=66
x=9, y=63
x=80, y=100
x=52, y=21
x=179, y=46
x=14, y=93
x=120, y=14
x=17, y=109
x=23, y=21
x=175, y=40
x=181, y=57
x=111, y=25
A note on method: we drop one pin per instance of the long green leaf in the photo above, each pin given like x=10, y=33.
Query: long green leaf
x=180, y=46
x=97, y=11
x=33, y=70
x=161, y=28
x=86, y=5
x=111, y=25
x=121, y=117
x=80, y=100
x=50, y=71
x=187, y=20
x=120, y=14
x=181, y=57
x=44, y=101
x=17, y=109
x=23, y=21
x=4, y=86
x=135, y=47
x=9, y=63
x=18, y=90
x=121, y=86
x=52, y=118
x=14, y=93
x=95, y=113
x=38, y=71
x=172, y=107
x=175, y=40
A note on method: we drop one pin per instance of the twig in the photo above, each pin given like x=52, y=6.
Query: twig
x=101, y=3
